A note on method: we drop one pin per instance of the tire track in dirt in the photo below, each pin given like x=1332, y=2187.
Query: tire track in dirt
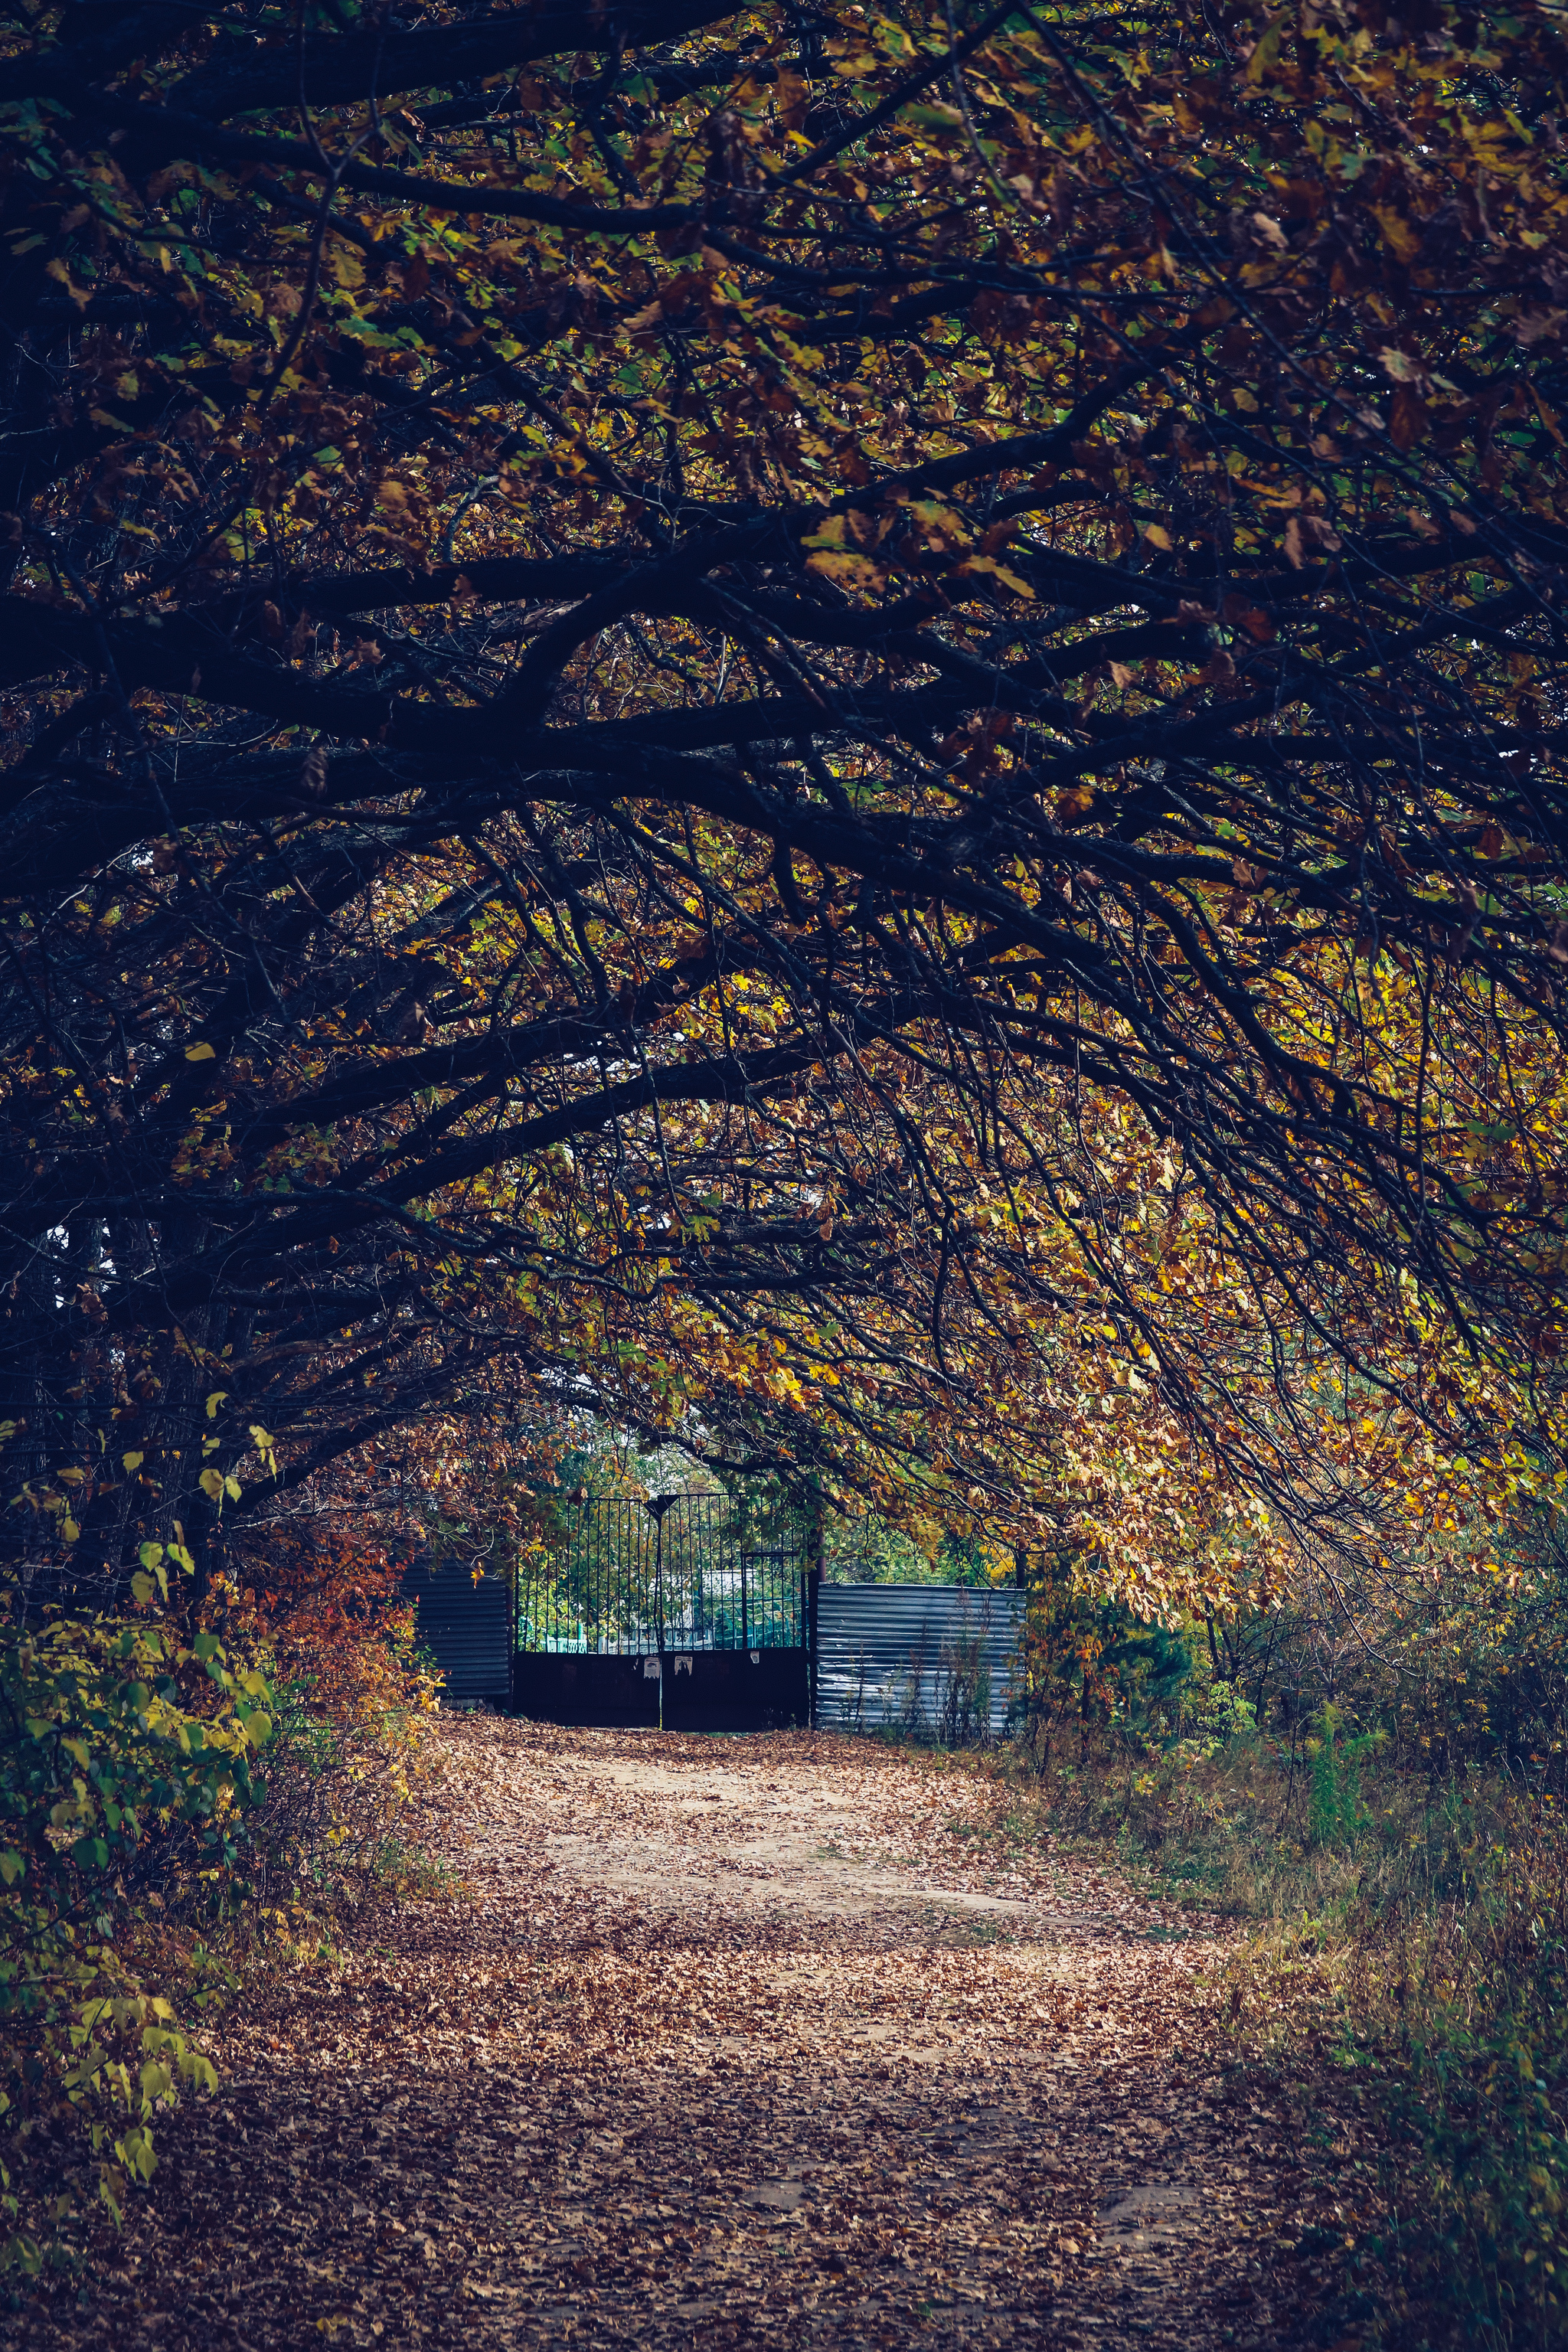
x=725, y=2043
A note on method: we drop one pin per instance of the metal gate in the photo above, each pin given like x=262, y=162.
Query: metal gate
x=689, y=1611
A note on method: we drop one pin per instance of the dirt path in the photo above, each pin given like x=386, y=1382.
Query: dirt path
x=765, y=2042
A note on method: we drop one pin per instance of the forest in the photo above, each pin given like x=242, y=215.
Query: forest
x=826, y=743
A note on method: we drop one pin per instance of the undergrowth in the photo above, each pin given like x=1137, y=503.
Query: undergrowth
x=1403, y=1944
x=177, y=1820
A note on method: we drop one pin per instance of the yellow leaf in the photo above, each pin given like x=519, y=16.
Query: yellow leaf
x=131, y=1460
x=1156, y=535
x=211, y=1483
x=201, y=1054
x=988, y=563
x=853, y=571
x=1266, y=54
x=218, y=1396
x=1398, y=232
x=81, y=295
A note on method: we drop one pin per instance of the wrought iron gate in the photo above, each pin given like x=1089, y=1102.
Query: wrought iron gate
x=687, y=1609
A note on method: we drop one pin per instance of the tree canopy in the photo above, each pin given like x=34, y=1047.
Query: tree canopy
x=833, y=728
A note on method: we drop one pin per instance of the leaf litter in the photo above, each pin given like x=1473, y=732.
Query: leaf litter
x=711, y=2042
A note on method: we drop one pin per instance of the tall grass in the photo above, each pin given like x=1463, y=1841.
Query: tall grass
x=1405, y=1930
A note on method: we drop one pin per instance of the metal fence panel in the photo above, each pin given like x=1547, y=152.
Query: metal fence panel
x=932, y=1658
x=467, y=1627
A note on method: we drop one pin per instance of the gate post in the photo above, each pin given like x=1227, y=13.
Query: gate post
x=813, y=1591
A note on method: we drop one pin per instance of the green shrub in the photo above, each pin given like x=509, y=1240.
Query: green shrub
x=1092, y=1667
x=1337, y=1812
x=126, y=1776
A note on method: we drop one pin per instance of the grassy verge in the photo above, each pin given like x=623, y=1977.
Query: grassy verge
x=1402, y=1976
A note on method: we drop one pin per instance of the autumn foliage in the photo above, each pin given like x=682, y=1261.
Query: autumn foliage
x=835, y=735
x=838, y=737
x=325, y=1609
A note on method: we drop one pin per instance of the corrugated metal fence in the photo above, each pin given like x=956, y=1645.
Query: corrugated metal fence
x=927, y=1658
x=466, y=1628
